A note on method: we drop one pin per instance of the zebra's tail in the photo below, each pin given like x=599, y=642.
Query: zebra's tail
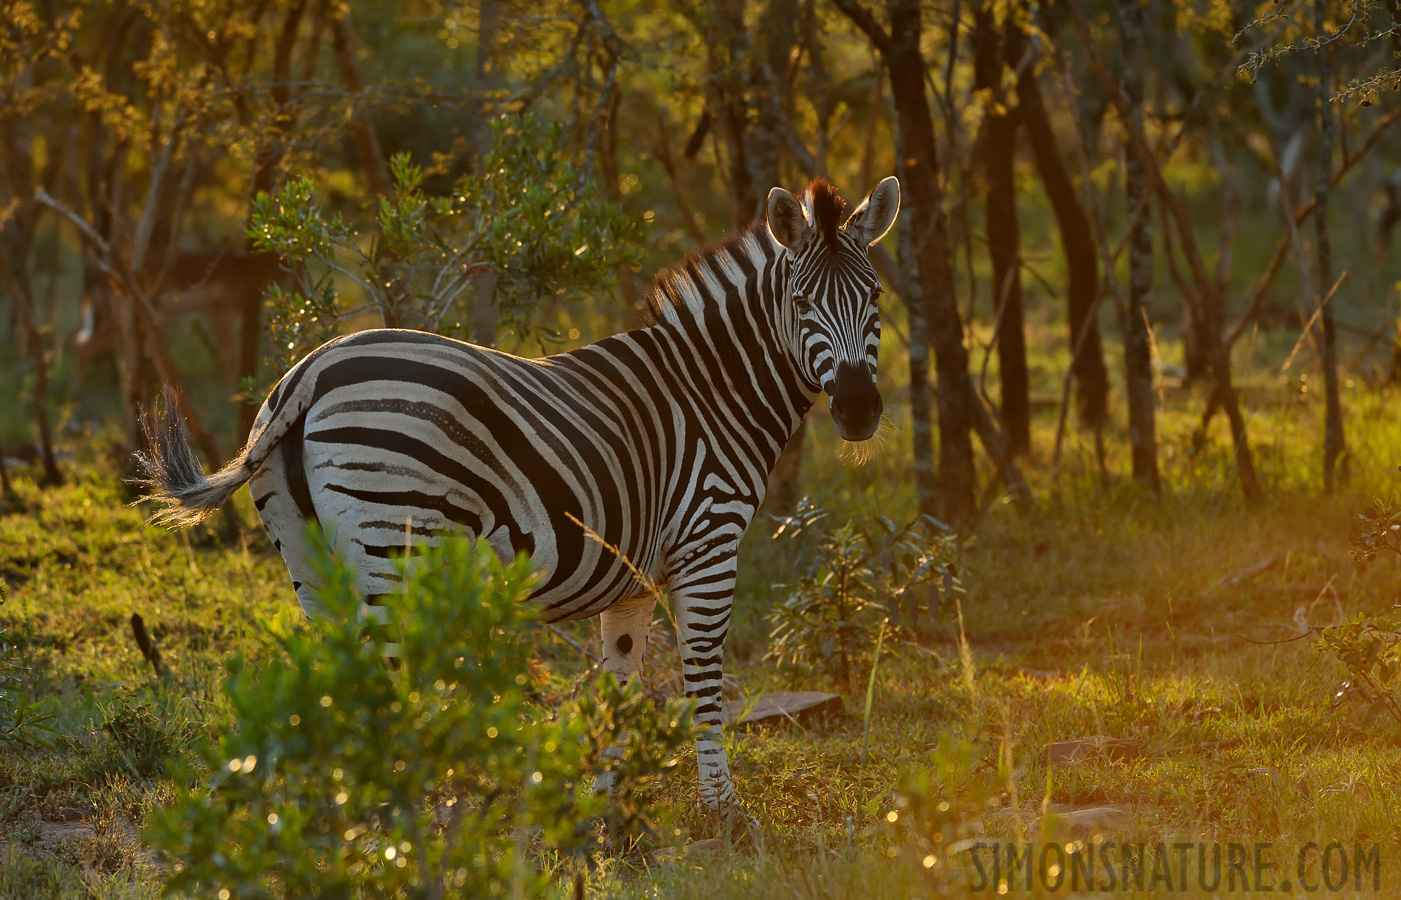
x=173, y=477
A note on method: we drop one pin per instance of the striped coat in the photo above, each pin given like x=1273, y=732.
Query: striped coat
x=660, y=440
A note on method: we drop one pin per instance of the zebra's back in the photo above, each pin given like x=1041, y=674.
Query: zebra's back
x=410, y=432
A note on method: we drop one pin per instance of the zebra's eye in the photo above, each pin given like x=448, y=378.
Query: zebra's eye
x=800, y=298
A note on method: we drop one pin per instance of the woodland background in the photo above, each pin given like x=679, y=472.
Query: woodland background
x=1035, y=144
x=1141, y=320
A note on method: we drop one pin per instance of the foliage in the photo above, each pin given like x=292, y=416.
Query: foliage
x=528, y=222
x=146, y=729
x=1382, y=529
x=22, y=721
x=1361, y=22
x=1220, y=717
x=857, y=579
x=1369, y=647
x=341, y=777
x=937, y=811
x=623, y=734
x=546, y=232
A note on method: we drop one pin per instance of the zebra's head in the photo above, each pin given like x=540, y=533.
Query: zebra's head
x=833, y=289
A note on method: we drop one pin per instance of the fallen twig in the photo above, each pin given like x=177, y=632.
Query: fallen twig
x=144, y=643
x=1245, y=574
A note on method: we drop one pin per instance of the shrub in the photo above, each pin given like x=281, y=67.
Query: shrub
x=340, y=777
x=528, y=219
x=856, y=577
x=937, y=812
x=23, y=723
x=144, y=729
x=1370, y=646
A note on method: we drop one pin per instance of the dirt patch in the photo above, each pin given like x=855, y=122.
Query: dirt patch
x=54, y=837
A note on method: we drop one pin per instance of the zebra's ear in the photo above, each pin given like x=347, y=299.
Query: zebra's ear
x=874, y=217
x=786, y=220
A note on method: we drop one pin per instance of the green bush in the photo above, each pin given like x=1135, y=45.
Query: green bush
x=528, y=219
x=858, y=579
x=1370, y=646
x=342, y=777
x=23, y=722
x=144, y=729
x=937, y=811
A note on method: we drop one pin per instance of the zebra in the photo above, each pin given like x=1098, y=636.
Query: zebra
x=659, y=440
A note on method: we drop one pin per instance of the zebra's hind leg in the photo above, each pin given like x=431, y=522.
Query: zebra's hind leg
x=286, y=523
x=625, y=626
x=379, y=581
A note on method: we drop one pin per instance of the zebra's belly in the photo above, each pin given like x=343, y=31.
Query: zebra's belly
x=389, y=481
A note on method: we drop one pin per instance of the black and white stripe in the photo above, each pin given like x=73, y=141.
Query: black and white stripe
x=660, y=440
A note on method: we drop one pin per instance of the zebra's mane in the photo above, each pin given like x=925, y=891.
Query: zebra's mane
x=824, y=207
x=684, y=286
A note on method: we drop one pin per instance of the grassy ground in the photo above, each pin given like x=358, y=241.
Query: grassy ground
x=1101, y=612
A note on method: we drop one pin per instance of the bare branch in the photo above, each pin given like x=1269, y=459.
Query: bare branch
x=124, y=279
x=862, y=18
x=1301, y=215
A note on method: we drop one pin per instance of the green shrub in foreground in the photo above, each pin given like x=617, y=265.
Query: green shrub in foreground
x=341, y=778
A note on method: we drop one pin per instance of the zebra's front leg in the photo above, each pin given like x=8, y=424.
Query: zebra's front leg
x=702, y=602
x=625, y=626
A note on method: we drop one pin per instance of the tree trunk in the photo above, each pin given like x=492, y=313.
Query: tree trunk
x=727, y=64
x=942, y=325
x=362, y=130
x=924, y=258
x=608, y=166
x=19, y=178
x=486, y=74
x=1138, y=360
x=395, y=306
x=1207, y=301
x=483, y=319
x=921, y=405
x=1333, y=410
x=1194, y=355
x=997, y=147
x=268, y=162
x=15, y=279
x=904, y=283
x=1077, y=242
x=776, y=37
x=775, y=40
x=250, y=331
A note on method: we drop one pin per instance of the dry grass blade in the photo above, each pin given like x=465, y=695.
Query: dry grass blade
x=642, y=577
x=648, y=583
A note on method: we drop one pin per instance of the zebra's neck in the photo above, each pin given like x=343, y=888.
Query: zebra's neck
x=727, y=307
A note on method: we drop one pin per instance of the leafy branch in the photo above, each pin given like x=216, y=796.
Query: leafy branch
x=858, y=581
x=22, y=722
x=527, y=231
x=1370, y=646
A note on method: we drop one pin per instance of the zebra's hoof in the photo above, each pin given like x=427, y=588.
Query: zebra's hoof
x=732, y=815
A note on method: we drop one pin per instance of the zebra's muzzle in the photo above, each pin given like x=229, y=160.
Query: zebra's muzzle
x=855, y=402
